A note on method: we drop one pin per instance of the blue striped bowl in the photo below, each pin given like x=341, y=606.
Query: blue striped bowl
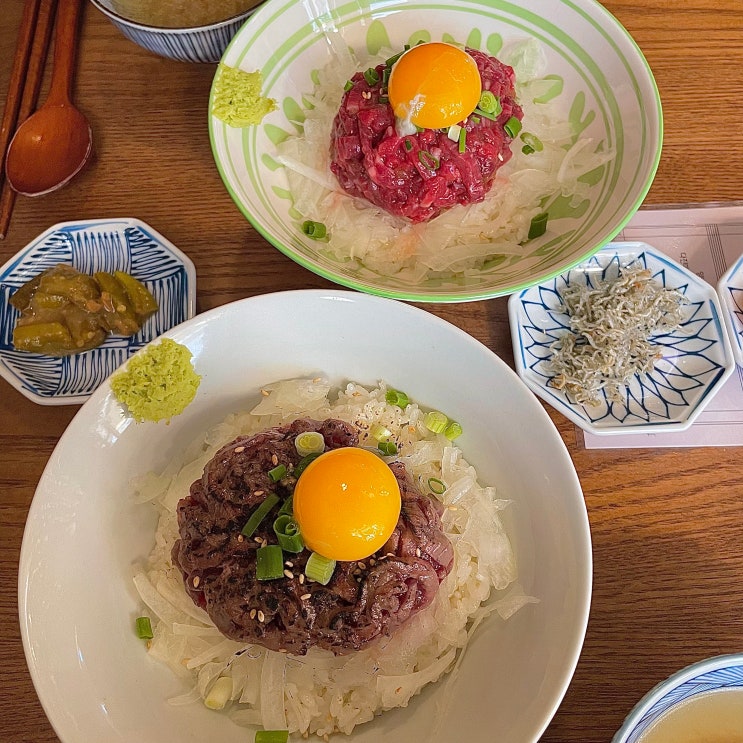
x=197, y=44
x=93, y=245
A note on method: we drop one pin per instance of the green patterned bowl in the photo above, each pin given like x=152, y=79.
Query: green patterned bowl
x=593, y=71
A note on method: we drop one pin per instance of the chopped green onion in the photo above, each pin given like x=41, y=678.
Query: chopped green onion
x=348, y=85
x=386, y=75
x=269, y=562
x=302, y=464
x=384, y=99
x=532, y=141
x=371, y=76
x=453, y=132
x=489, y=103
x=271, y=736
x=379, y=432
x=144, y=628
x=453, y=430
x=315, y=230
x=475, y=119
x=538, y=225
x=391, y=60
x=259, y=514
x=277, y=472
x=527, y=149
x=397, y=397
x=408, y=145
x=287, y=532
x=436, y=485
x=435, y=421
x=388, y=448
x=319, y=568
x=428, y=160
x=220, y=693
x=309, y=442
x=287, y=506
x=512, y=127
x=485, y=114
x=462, y=139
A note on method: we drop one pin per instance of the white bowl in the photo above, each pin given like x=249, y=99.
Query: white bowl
x=697, y=358
x=84, y=532
x=606, y=84
x=709, y=676
x=730, y=291
x=93, y=245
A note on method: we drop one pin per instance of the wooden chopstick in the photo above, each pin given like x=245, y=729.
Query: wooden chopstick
x=25, y=82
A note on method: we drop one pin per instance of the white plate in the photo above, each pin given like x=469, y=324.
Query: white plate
x=77, y=603
x=697, y=358
x=93, y=245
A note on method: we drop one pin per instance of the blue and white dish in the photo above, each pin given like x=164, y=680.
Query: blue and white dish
x=723, y=672
x=197, y=44
x=730, y=290
x=697, y=357
x=93, y=245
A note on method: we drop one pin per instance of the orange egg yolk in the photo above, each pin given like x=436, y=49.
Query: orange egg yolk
x=434, y=85
x=347, y=503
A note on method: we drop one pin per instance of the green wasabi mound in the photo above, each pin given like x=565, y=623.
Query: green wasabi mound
x=237, y=97
x=158, y=383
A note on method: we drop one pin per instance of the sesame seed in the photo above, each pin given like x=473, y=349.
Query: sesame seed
x=259, y=492
x=289, y=564
x=301, y=578
x=261, y=616
x=357, y=571
x=253, y=612
x=453, y=508
x=265, y=393
x=305, y=596
x=259, y=540
x=372, y=562
x=418, y=552
x=390, y=554
x=240, y=538
x=239, y=450
x=362, y=565
x=317, y=379
x=149, y=644
x=196, y=581
x=283, y=650
x=274, y=459
x=288, y=573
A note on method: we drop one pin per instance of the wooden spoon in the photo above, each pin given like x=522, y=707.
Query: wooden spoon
x=54, y=144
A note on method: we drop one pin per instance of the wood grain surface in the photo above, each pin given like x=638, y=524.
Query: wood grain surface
x=667, y=525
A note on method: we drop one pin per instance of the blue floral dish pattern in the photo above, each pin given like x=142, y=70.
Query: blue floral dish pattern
x=713, y=674
x=697, y=357
x=96, y=245
x=730, y=290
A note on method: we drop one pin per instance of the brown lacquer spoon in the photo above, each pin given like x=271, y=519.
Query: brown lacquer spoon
x=54, y=144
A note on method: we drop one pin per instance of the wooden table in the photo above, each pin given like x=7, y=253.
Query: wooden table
x=667, y=524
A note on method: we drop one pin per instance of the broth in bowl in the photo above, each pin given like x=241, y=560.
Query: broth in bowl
x=180, y=13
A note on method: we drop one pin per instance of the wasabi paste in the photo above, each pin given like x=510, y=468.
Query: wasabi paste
x=237, y=97
x=158, y=383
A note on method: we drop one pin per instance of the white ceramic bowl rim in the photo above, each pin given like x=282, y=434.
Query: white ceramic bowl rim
x=176, y=30
x=690, y=672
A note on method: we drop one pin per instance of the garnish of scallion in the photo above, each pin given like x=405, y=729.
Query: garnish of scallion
x=309, y=442
x=388, y=448
x=452, y=430
x=428, y=160
x=397, y=397
x=435, y=421
x=532, y=143
x=271, y=736
x=538, y=225
x=489, y=103
x=379, y=432
x=462, y=143
x=269, y=562
x=512, y=127
x=371, y=76
x=259, y=514
x=277, y=472
x=436, y=485
x=319, y=568
x=219, y=694
x=303, y=463
x=315, y=230
x=287, y=533
x=144, y=628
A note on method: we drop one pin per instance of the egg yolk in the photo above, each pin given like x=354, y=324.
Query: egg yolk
x=434, y=85
x=347, y=503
